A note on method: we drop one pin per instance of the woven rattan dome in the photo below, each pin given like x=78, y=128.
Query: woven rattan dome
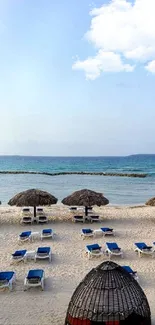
x=108, y=295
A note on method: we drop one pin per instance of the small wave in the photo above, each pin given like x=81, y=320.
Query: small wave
x=133, y=169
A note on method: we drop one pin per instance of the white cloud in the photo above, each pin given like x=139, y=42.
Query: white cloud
x=102, y=62
x=123, y=35
x=151, y=66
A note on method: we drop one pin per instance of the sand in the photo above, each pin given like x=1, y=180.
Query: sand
x=69, y=264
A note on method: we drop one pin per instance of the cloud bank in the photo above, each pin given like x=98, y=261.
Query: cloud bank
x=123, y=34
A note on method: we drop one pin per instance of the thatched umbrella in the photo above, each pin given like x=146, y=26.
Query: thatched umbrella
x=151, y=202
x=86, y=198
x=108, y=295
x=33, y=197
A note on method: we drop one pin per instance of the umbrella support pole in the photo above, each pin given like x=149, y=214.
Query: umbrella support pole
x=35, y=212
x=86, y=211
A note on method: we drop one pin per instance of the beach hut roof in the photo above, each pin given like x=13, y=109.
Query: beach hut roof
x=151, y=202
x=108, y=295
x=32, y=197
x=86, y=198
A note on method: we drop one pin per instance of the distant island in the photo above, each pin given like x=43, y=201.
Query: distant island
x=141, y=154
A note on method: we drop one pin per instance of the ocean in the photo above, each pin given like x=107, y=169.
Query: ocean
x=119, y=190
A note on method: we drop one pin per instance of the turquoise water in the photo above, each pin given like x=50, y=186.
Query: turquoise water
x=119, y=190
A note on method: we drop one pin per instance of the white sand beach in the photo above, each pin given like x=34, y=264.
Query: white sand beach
x=69, y=264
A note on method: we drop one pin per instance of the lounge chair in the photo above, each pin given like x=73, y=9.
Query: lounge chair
x=113, y=249
x=43, y=253
x=26, y=211
x=41, y=219
x=103, y=232
x=93, y=218
x=46, y=233
x=93, y=250
x=6, y=279
x=79, y=219
x=87, y=233
x=107, y=231
x=73, y=208
x=19, y=255
x=25, y=236
x=143, y=249
x=130, y=271
x=40, y=211
x=34, y=278
x=26, y=215
x=27, y=219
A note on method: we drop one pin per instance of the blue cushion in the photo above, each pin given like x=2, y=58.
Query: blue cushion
x=106, y=229
x=113, y=246
x=47, y=231
x=44, y=250
x=143, y=246
x=87, y=231
x=25, y=234
x=128, y=269
x=35, y=274
x=93, y=247
x=6, y=275
x=19, y=253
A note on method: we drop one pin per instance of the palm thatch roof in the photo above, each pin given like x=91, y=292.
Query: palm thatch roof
x=85, y=198
x=151, y=202
x=33, y=197
x=108, y=295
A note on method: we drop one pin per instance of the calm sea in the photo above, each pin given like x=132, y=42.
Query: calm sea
x=119, y=190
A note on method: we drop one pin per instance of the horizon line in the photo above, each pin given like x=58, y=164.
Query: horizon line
x=78, y=156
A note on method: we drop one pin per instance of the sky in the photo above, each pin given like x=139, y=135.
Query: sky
x=77, y=78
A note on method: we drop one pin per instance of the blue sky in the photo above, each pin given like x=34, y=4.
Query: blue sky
x=65, y=92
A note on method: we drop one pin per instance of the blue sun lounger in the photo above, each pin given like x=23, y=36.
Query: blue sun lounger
x=46, y=233
x=43, y=253
x=107, y=231
x=34, y=278
x=25, y=236
x=130, y=271
x=18, y=256
x=143, y=249
x=93, y=250
x=86, y=232
x=6, y=279
x=113, y=249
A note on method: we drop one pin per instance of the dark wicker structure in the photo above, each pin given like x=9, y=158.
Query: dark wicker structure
x=33, y=197
x=85, y=197
x=108, y=295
